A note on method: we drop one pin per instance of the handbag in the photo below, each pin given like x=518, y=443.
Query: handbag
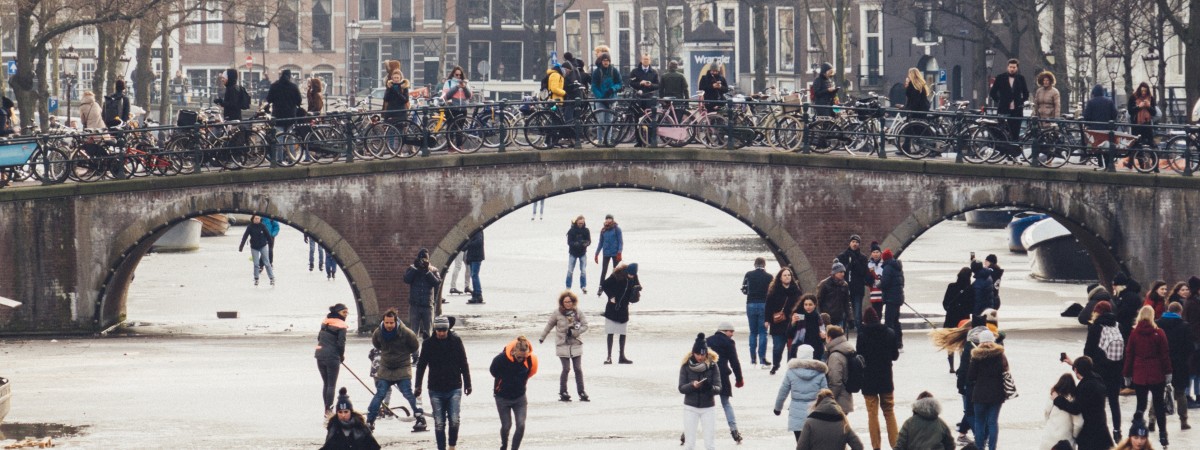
x=1169, y=400
x=1010, y=387
x=778, y=317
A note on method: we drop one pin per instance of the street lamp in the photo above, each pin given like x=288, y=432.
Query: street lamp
x=70, y=69
x=124, y=67
x=1111, y=61
x=352, y=30
x=1151, y=59
x=1083, y=63
x=989, y=58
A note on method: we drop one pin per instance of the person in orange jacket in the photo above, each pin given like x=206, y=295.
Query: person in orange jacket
x=512, y=369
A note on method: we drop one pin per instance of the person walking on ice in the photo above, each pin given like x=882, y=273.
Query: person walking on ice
x=260, y=240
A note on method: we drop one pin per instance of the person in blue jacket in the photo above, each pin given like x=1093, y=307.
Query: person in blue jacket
x=606, y=83
x=273, y=227
x=611, y=244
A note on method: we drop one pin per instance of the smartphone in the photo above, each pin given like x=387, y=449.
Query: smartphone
x=972, y=256
x=702, y=380
x=1063, y=357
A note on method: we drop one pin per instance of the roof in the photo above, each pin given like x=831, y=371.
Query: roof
x=709, y=32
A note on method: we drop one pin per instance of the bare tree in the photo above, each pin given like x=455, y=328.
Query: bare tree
x=539, y=18
x=1176, y=12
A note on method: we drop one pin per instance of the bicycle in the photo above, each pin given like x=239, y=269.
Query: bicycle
x=38, y=159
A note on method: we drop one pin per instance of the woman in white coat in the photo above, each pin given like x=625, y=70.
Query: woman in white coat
x=804, y=379
x=570, y=323
x=1061, y=425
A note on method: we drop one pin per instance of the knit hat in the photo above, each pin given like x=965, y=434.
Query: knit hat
x=855, y=237
x=804, y=352
x=631, y=269
x=837, y=267
x=608, y=216
x=335, y=309
x=1099, y=293
x=1120, y=279
x=825, y=67
x=875, y=246
x=343, y=401
x=725, y=326
x=1138, y=429
x=887, y=254
x=1194, y=284
x=991, y=258
x=870, y=316
x=987, y=336
x=441, y=323
x=700, y=347
x=1102, y=307
x=990, y=315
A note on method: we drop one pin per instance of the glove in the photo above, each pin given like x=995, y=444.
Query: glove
x=596, y=258
x=1169, y=377
x=740, y=383
x=777, y=412
x=1128, y=381
x=417, y=392
x=467, y=390
x=542, y=340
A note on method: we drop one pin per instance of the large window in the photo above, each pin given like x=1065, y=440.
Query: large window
x=650, y=36
x=674, y=33
x=322, y=25
x=508, y=62
x=256, y=37
x=872, y=36
x=572, y=37
x=479, y=12
x=289, y=26
x=368, y=64
x=191, y=34
x=818, y=36
x=402, y=17
x=8, y=33
x=512, y=12
x=368, y=10
x=596, y=27
x=402, y=51
x=624, y=42
x=785, y=18
x=924, y=21
x=479, y=58
x=214, y=30
x=435, y=9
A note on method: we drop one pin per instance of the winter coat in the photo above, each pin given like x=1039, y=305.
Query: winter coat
x=284, y=97
x=331, y=341
x=578, y=240
x=355, y=436
x=90, y=113
x=782, y=300
x=840, y=351
x=1090, y=402
x=727, y=360
x=611, y=241
x=675, y=85
x=231, y=108
x=997, y=274
x=858, y=275
x=915, y=100
x=958, y=301
x=606, y=83
x=701, y=397
x=639, y=74
x=258, y=235
x=568, y=326
x=822, y=96
x=1091, y=348
x=1147, y=356
x=1159, y=305
x=807, y=331
x=1191, y=315
x=802, y=381
x=421, y=284
x=833, y=298
x=877, y=345
x=1135, y=110
x=1009, y=99
x=395, y=355
x=988, y=365
x=755, y=285
x=512, y=376
x=984, y=290
x=826, y=429
x=711, y=93
x=1046, y=105
x=621, y=292
x=1060, y=426
x=554, y=84
x=395, y=98
x=892, y=282
x=1180, y=343
x=925, y=430
x=1129, y=301
x=1099, y=109
x=455, y=92
x=446, y=360
x=474, y=248
x=1085, y=315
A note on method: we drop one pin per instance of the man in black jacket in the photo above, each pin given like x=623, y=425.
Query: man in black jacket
x=755, y=285
x=231, y=101
x=857, y=275
x=449, y=378
x=824, y=91
x=422, y=282
x=284, y=98
x=644, y=81
x=722, y=343
x=1129, y=301
x=714, y=86
x=579, y=238
x=1009, y=92
x=474, y=258
x=1088, y=402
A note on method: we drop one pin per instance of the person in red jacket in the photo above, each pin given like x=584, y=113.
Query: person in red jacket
x=1148, y=367
x=1156, y=298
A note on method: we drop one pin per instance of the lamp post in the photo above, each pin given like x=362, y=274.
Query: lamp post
x=70, y=69
x=352, y=30
x=989, y=58
x=1148, y=61
x=1083, y=62
x=1111, y=61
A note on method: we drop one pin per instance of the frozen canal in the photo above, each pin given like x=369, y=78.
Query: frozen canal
x=186, y=379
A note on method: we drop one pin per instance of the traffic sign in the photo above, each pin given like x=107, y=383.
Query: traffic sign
x=52, y=104
x=12, y=68
x=249, y=62
x=553, y=58
x=942, y=76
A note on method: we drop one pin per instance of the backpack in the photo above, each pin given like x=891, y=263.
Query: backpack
x=544, y=93
x=1111, y=342
x=243, y=98
x=113, y=105
x=856, y=365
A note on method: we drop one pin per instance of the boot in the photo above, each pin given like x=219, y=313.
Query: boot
x=1183, y=425
x=564, y=397
x=682, y=439
x=583, y=397
x=455, y=291
x=419, y=426
x=737, y=437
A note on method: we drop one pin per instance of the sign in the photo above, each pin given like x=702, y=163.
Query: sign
x=698, y=62
x=52, y=104
x=553, y=58
x=942, y=76
x=249, y=62
x=12, y=68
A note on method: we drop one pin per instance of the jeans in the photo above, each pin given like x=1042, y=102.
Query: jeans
x=706, y=418
x=567, y=363
x=329, y=374
x=582, y=260
x=1159, y=413
x=778, y=343
x=605, y=116
x=728, y=407
x=856, y=299
x=478, y=291
x=509, y=410
x=260, y=258
x=756, y=314
x=315, y=248
x=891, y=317
x=987, y=425
x=421, y=319
x=540, y=203
x=381, y=391
x=968, y=418
x=331, y=265
x=445, y=406
x=604, y=262
x=874, y=404
x=458, y=263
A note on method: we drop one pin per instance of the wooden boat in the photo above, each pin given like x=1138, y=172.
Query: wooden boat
x=183, y=237
x=213, y=225
x=1055, y=255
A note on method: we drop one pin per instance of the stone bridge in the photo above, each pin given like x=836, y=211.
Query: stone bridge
x=69, y=251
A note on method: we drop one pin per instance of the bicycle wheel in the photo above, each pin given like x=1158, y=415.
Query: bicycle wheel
x=822, y=135
x=862, y=140
x=516, y=127
x=984, y=142
x=287, y=150
x=49, y=165
x=742, y=133
x=1054, y=151
x=1176, y=148
x=787, y=133
x=139, y=150
x=408, y=140
x=438, y=128
x=671, y=133
x=254, y=150
x=180, y=150
x=916, y=139
x=1144, y=160
x=381, y=140
x=711, y=131
x=540, y=130
x=83, y=168
x=488, y=128
x=320, y=149
x=466, y=135
x=598, y=128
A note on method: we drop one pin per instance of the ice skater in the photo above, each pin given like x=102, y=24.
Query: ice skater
x=699, y=381
x=347, y=429
x=722, y=343
x=611, y=244
x=318, y=250
x=512, y=369
x=396, y=344
x=568, y=322
x=458, y=265
x=260, y=240
x=622, y=288
x=579, y=238
x=474, y=258
x=539, y=209
x=331, y=351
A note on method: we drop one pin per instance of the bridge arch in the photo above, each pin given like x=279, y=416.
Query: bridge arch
x=1088, y=224
x=783, y=245
x=129, y=246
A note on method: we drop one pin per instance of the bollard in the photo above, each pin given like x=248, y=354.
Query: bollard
x=1187, y=152
x=804, y=120
x=882, y=134
x=349, y=132
x=1110, y=165
x=960, y=141
x=1036, y=149
x=424, y=131
x=729, y=125
x=499, y=114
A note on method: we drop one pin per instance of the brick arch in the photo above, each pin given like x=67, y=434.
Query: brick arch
x=134, y=241
x=1090, y=225
x=783, y=245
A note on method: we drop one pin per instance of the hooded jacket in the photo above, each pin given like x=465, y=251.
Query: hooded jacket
x=1089, y=402
x=331, y=341
x=802, y=381
x=421, y=284
x=1129, y=301
x=621, y=291
x=510, y=375
x=925, y=430
x=728, y=360
x=1060, y=425
x=1046, y=104
x=986, y=373
x=840, y=351
x=446, y=360
x=1091, y=347
x=90, y=113
x=1147, y=355
x=706, y=85
x=892, y=282
x=284, y=97
x=611, y=241
x=554, y=83
x=701, y=397
x=1099, y=109
x=958, y=301
x=353, y=436
x=833, y=298
x=395, y=353
x=231, y=99
x=826, y=429
x=569, y=326
x=1180, y=343
x=578, y=240
x=606, y=83
x=1096, y=295
x=821, y=85
x=984, y=290
x=877, y=345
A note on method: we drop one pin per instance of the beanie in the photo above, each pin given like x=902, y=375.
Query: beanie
x=991, y=258
x=870, y=316
x=804, y=352
x=700, y=347
x=725, y=326
x=855, y=238
x=1138, y=429
x=837, y=267
x=875, y=246
x=1194, y=284
x=631, y=269
x=987, y=336
x=887, y=254
x=1120, y=279
x=989, y=315
x=343, y=401
x=441, y=323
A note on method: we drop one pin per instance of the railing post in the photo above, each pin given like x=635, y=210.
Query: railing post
x=729, y=124
x=503, y=125
x=1188, y=151
x=578, y=130
x=882, y=133
x=349, y=132
x=199, y=152
x=424, y=130
x=1112, y=148
x=960, y=142
x=805, y=148
x=1036, y=149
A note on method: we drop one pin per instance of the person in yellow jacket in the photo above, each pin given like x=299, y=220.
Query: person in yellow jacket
x=555, y=82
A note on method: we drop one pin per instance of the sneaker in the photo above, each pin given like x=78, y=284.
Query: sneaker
x=272, y=282
x=625, y=361
x=765, y=366
x=737, y=437
x=963, y=440
x=608, y=361
x=256, y=281
x=584, y=397
x=455, y=291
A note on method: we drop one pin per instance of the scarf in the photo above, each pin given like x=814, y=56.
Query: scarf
x=608, y=227
x=389, y=335
x=1143, y=104
x=698, y=367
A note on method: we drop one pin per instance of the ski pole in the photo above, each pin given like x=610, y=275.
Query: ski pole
x=372, y=391
x=931, y=325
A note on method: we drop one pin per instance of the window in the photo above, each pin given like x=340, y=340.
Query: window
x=479, y=57
x=322, y=25
x=86, y=70
x=872, y=26
x=817, y=36
x=479, y=12
x=192, y=32
x=508, y=62
x=214, y=30
x=924, y=21
x=8, y=33
x=572, y=41
x=402, y=17
x=368, y=64
x=289, y=26
x=785, y=18
x=512, y=12
x=624, y=42
x=650, y=35
x=435, y=9
x=256, y=37
x=728, y=19
x=596, y=28
x=368, y=10
x=402, y=51
x=674, y=32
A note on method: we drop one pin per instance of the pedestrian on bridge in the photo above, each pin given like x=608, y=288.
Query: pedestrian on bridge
x=1009, y=92
x=260, y=239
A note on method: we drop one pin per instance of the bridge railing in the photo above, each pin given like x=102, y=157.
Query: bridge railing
x=861, y=127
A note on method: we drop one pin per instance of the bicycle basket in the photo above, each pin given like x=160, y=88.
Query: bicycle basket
x=793, y=103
